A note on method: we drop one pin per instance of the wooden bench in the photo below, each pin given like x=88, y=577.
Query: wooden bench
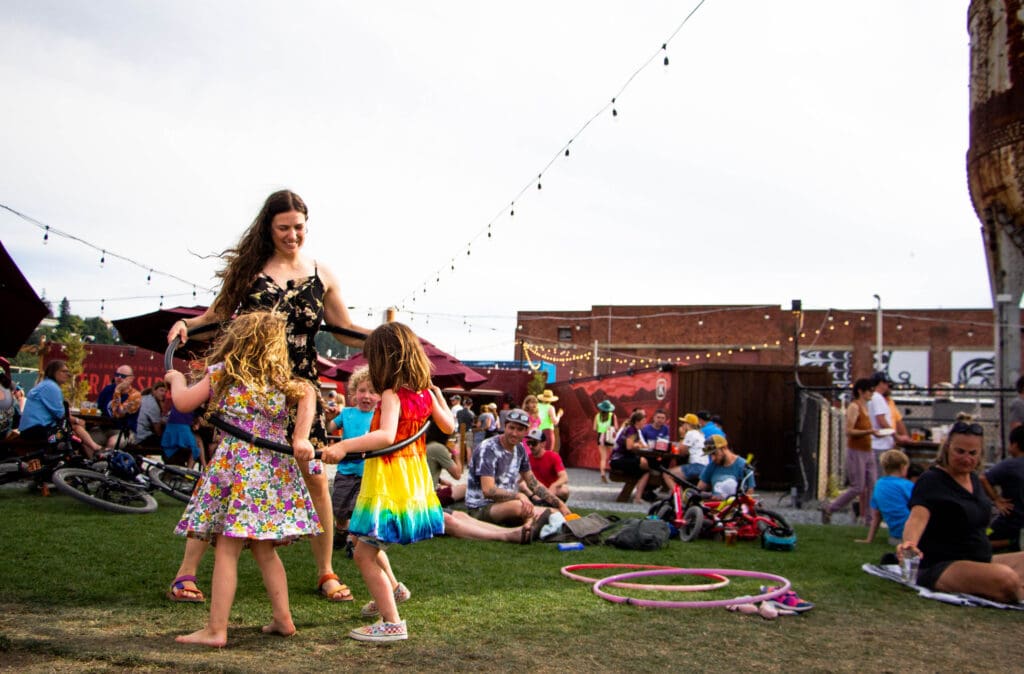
x=629, y=484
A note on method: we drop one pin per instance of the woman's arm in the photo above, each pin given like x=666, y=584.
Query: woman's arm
x=335, y=311
x=913, y=530
x=181, y=327
x=187, y=398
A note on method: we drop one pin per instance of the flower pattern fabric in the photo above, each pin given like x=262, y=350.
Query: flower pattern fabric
x=302, y=303
x=247, y=491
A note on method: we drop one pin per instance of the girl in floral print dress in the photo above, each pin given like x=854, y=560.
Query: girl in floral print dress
x=250, y=496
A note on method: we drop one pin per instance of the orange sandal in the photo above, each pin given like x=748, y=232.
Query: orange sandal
x=342, y=593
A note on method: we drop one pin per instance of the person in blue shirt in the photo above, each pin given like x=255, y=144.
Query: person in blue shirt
x=890, y=499
x=708, y=425
x=351, y=422
x=44, y=409
x=725, y=472
x=657, y=429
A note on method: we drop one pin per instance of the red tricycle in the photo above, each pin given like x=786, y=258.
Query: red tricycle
x=741, y=517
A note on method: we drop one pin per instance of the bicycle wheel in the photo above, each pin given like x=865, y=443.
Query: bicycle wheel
x=178, y=483
x=692, y=525
x=104, y=492
x=779, y=521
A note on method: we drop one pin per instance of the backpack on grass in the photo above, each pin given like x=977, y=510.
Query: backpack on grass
x=586, y=529
x=641, y=534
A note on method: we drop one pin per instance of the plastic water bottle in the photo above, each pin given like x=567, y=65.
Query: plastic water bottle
x=566, y=547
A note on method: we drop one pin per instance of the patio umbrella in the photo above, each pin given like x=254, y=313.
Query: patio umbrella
x=149, y=331
x=447, y=371
x=21, y=306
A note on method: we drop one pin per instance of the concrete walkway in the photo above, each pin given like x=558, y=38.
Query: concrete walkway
x=587, y=491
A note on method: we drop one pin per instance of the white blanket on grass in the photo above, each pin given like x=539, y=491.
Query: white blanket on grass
x=892, y=572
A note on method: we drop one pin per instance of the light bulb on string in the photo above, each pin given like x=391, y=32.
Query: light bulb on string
x=512, y=209
x=103, y=303
x=488, y=230
x=46, y=235
x=664, y=48
x=615, y=113
x=149, y=277
x=103, y=258
x=161, y=301
x=193, y=293
x=538, y=180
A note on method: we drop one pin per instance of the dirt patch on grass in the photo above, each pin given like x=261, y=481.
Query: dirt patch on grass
x=101, y=640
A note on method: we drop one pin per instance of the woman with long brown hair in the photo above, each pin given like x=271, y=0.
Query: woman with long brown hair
x=267, y=270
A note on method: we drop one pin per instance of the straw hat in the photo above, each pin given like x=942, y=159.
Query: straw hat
x=547, y=396
x=606, y=406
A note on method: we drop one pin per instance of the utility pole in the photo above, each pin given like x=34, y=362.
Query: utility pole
x=878, y=334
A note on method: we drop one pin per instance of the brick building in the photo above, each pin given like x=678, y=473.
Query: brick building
x=920, y=347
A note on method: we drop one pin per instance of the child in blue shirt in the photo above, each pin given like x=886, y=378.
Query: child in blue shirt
x=890, y=499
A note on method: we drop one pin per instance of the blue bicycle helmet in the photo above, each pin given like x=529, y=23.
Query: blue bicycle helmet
x=778, y=538
x=122, y=465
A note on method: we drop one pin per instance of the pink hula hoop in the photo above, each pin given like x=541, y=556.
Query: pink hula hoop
x=784, y=586
x=567, y=571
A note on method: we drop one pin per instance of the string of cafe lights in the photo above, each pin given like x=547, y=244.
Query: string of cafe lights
x=536, y=184
x=105, y=252
x=571, y=354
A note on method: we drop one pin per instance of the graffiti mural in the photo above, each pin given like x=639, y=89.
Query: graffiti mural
x=907, y=369
x=838, y=363
x=646, y=390
x=973, y=368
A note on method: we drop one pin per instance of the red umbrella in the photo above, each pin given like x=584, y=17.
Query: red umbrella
x=447, y=370
x=149, y=331
x=21, y=306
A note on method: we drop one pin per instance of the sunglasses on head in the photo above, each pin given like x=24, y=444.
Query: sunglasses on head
x=965, y=428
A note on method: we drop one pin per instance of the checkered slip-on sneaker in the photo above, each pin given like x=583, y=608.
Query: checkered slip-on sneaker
x=381, y=631
x=369, y=609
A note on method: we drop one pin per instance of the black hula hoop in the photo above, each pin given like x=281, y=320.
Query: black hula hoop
x=237, y=432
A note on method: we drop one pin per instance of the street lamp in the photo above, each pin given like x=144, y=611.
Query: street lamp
x=878, y=334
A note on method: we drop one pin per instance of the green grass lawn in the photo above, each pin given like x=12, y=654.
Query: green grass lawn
x=83, y=589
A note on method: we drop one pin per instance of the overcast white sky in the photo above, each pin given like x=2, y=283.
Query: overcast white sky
x=799, y=149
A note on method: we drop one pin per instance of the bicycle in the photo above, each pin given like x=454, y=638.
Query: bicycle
x=21, y=460
x=116, y=483
x=695, y=513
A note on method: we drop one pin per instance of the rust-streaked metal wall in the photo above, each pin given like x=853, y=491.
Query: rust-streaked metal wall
x=995, y=163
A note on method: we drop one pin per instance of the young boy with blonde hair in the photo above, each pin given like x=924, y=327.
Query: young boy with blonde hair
x=890, y=499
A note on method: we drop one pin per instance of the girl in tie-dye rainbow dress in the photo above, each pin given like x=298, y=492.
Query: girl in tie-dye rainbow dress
x=397, y=502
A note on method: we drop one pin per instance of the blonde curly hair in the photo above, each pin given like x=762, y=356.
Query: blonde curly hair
x=254, y=351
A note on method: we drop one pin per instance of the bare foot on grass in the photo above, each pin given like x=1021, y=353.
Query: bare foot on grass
x=284, y=629
x=204, y=637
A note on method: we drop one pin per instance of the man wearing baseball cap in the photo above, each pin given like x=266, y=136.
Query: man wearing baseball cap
x=725, y=472
x=495, y=469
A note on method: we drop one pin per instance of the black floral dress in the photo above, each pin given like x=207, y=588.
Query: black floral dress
x=302, y=303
